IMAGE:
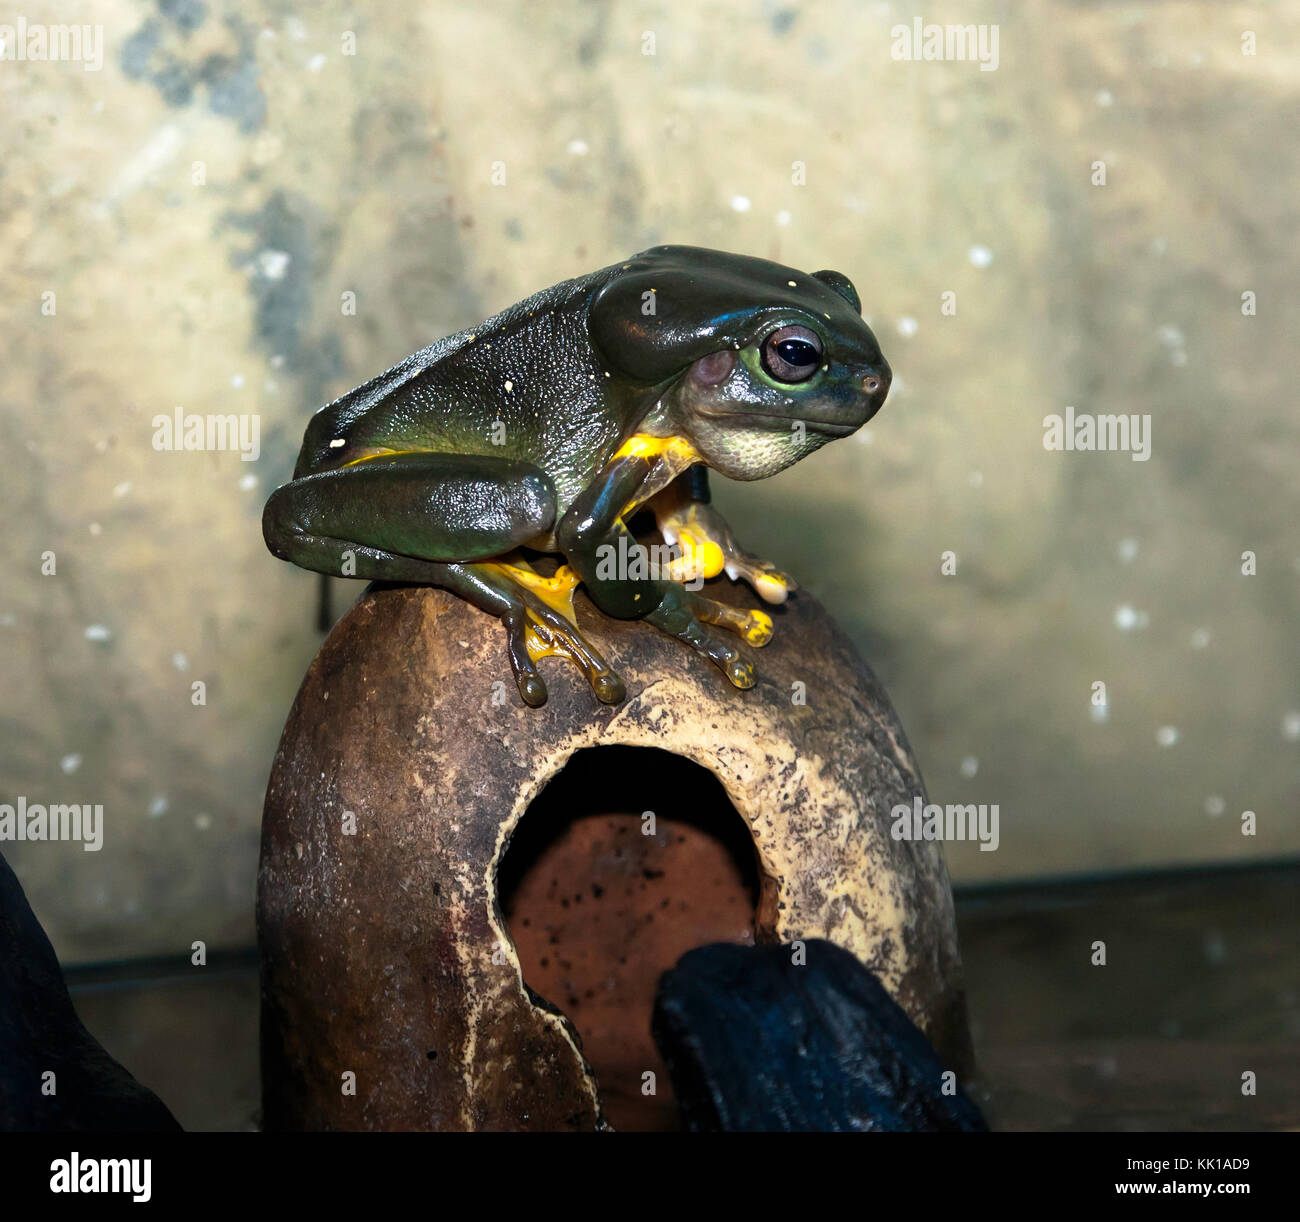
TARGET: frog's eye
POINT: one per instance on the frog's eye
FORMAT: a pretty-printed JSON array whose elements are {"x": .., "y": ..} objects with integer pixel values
[{"x": 792, "y": 354}]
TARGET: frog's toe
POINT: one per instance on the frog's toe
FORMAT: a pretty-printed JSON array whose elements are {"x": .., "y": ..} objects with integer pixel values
[
  {"x": 532, "y": 687},
  {"x": 753, "y": 627},
  {"x": 608, "y": 687},
  {"x": 681, "y": 617},
  {"x": 770, "y": 584},
  {"x": 741, "y": 673}
]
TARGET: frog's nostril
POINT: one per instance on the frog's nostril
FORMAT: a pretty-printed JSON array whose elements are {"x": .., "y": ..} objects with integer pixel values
[{"x": 871, "y": 384}]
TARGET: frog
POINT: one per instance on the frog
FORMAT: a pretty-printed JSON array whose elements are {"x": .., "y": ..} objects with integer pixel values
[{"x": 538, "y": 435}]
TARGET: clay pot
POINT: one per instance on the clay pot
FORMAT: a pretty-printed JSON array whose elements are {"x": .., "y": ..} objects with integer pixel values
[{"x": 457, "y": 990}]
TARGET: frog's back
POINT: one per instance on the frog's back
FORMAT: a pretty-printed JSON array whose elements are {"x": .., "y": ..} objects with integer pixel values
[{"x": 526, "y": 384}]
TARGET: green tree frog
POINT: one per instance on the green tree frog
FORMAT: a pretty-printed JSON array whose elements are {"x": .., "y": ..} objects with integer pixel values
[{"x": 544, "y": 429}]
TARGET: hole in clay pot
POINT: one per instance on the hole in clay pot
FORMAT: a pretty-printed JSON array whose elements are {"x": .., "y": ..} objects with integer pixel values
[{"x": 598, "y": 910}]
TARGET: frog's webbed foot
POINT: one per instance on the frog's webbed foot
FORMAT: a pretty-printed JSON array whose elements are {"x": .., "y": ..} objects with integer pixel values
[
  {"x": 684, "y": 615},
  {"x": 541, "y": 623},
  {"x": 709, "y": 547}
]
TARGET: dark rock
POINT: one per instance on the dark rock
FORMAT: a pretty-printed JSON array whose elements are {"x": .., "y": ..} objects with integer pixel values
[
  {"x": 758, "y": 1042},
  {"x": 41, "y": 1033}
]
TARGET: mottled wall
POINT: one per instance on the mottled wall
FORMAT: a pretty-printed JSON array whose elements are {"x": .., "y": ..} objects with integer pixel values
[{"x": 199, "y": 204}]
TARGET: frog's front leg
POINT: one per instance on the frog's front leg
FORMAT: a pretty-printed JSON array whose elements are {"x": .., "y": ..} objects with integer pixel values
[
  {"x": 709, "y": 547},
  {"x": 594, "y": 538}
]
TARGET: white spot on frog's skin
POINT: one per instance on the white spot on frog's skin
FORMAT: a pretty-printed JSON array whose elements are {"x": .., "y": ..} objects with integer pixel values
[
  {"x": 792, "y": 284},
  {"x": 509, "y": 386},
  {"x": 741, "y": 203},
  {"x": 907, "y": 326},
  {"x": 980, "y": 256},
  {"x": 97, "y": 632},
  {"x": 970, "y": 766},
  {"x": 1215, "y": 806},
  {"x": 1167, "y": 736},
  {"x": 70, "y": 763},
  {"x": 338, "y": 442}
]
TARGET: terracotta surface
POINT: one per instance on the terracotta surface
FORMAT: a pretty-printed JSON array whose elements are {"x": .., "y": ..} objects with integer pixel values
[
  {"x": 600, "y": 905},
  {"x": 385, "y": 952}
]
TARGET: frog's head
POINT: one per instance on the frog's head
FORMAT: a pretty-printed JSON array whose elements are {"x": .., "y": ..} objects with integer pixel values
[{"x": 757, "y": 364}]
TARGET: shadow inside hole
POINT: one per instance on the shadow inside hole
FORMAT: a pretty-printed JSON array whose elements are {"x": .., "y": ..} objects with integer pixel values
[{"x": 601, "y": 900}]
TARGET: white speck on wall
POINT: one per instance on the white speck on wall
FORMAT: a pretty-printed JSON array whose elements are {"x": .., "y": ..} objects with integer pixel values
[
  {"x": 158, "y": 807},
  {"x": 1105, "y": 97},
  {"x": 741, "y": 203},
  {"x": 272, "y": 264},
  {"x": 180, "y": 661},
  {"x": 865, "y": 437},
  {"x": 1128, "y": 550},
  {"x": 95, "y": 529},
  {"x": 1200, "y": 638},
  {"x": 237, "y": 381},
  {"x": 1170, "y": 335},
  {"x": 578, "y": 148},
  {"x": 783, "y": 218},
  {"x": 98, "y": 632},
  {"x": 70, "y": 763},
  {"x": 203, "y": 821},
  {"x": 980, "y": 256},
  {"x": 247, "y": 483},
  {"x": 1216, "y": 949},
  {"x": 1128, "y": 618},
  {"x": 1100, "y": 713},
  {"x": 120, "y": 490},
  {"x": 976, "y": 479},
  {"x": 907, "y": 326},
  {"x": 316, "y": 63},
  {"x": 1291, "y": 727},
  {"x": 1178, "y": 357},
  {"x": 1167, "y": 736},
  {"x": 970, "y": 766},
  {"x": 1215, "y": 805}
]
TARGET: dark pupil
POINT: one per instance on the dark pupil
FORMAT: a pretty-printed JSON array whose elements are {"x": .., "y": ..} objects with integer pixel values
[{"x": 796, "y": 352}]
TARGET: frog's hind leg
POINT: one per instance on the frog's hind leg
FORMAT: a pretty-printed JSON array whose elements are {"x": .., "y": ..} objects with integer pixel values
[{"x": 440, "y": 519}]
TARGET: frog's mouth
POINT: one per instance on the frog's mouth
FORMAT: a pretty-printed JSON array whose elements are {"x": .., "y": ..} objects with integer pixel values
[{"x": 832, "y": 428}]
